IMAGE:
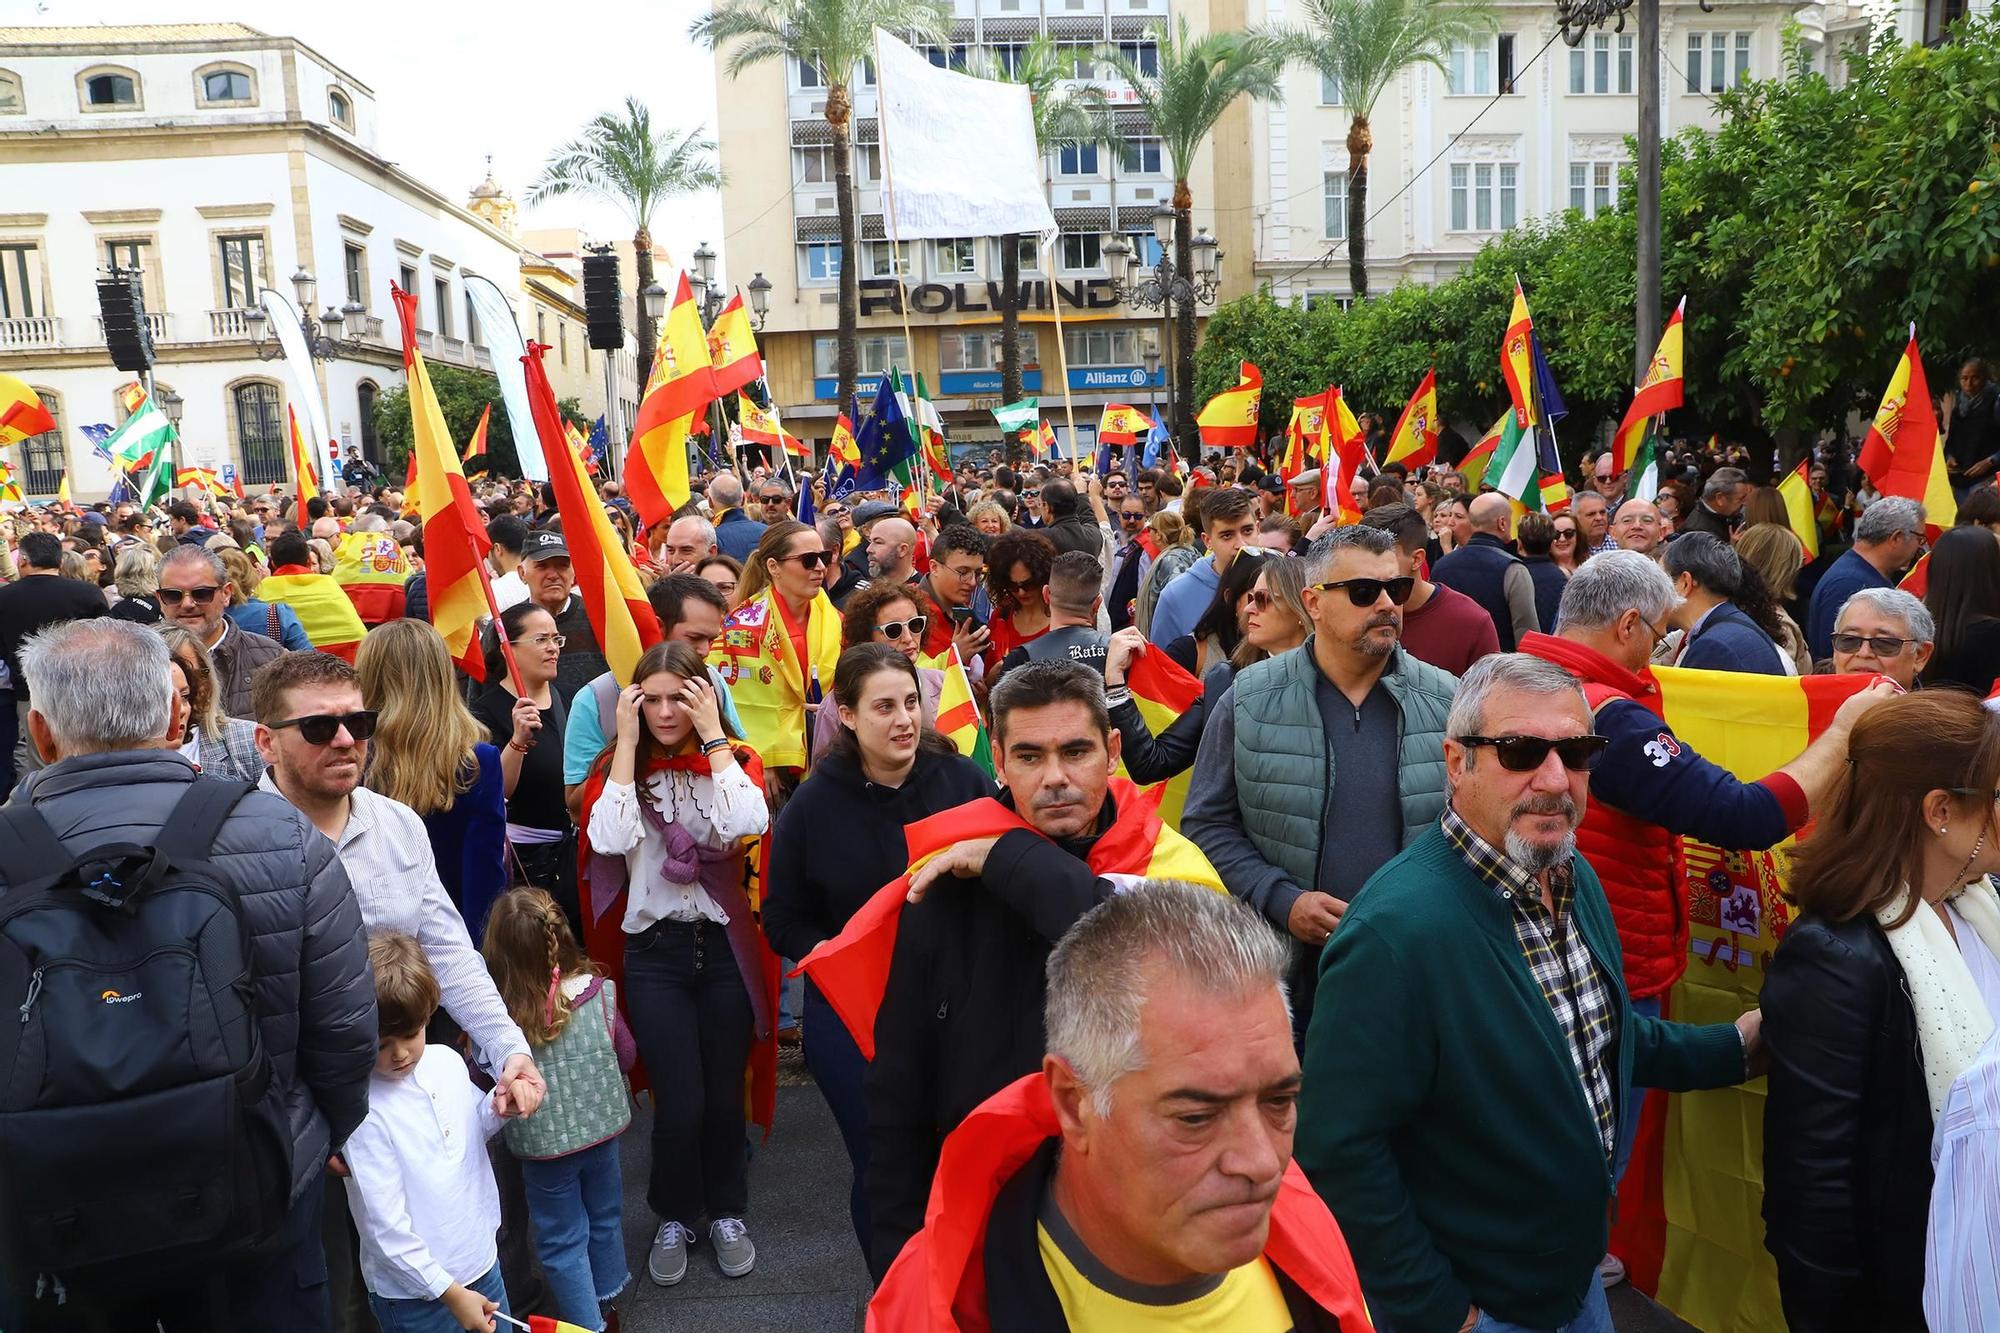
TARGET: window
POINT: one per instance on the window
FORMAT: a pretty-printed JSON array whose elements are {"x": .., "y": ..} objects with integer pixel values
[
  {"x": 946, "y": 57},
  {"x": 1604, "y": 66},
  {"x": 472, "y": 321},
  {"x": 1144, "y": 57},
  {"x": 1007, "y": 56},
  {"x": 20, "y": 281},
  {"x": 813, "y": 166},
  {"x": 1329, "y": 90},
  {"x": 11, "y": 101},
  {"x": 364, "y": 405},
  {"x": 441, "y": 295},
  {"x": 876, "y": 355},
  {"x": 562, "y": 339},
  {"x": 111, "y": 90},
  {"x": 44, "y": 453},
  {"x": 876, "y": 261},
  {"x": 1076, "y": 60},
  {"x": 1082, "y": 252},
  {"x": 242, "y": 270},
  {"x": 868, "y": 162},
  {"x": 1146, "y": 249},
  {"x": 868, "y": 71},
  {"x": 542, "y": 327},
  {"x": 1723, "y": 56},
  {"x": 225, "y": 85},
  {"x": 1076, "y": 159},
  {"x": 136, "y": 253},
  {"x": 822, "y": 261},
  {"x": 338, "y": 109},
  {"x": 351, "y": 267},
  {"x": 1103, "y": 347},
  {"x": 966, "y": 351},
  {"x": 1482, "y": 192},
  {"x": 1593, "y": 187},
  {"x": 1481, "y": 68},
  {"x": 807, "y": 74},
  {"x": 1336, "y": 205},
  {"x": 1509, "y": 195},
  {"x": 1027, "y": 254},
  {"x": 260, "y": 433},
  {"x": 1142, "y": 157},
  {"x": 956, "y": 257}
]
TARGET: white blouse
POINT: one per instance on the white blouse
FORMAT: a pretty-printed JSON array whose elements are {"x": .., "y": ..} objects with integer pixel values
[{"x": 715, "y": 811}]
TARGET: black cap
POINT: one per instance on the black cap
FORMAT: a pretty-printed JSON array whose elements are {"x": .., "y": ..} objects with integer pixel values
[
  {"x": 1271, "y": 483},
  {"x": 542, "y": 544}
]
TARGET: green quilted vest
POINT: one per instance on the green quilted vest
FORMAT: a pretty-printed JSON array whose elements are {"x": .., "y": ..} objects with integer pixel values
[
  {"x": 1284, "y": 771},
  {"x": 587, "y": 1102}
]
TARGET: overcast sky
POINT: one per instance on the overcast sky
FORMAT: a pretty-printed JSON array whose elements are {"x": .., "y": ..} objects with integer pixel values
[{"x": 454, "y": 82}]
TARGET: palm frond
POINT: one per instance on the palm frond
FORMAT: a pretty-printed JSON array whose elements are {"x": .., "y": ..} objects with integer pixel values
[
  {"x": 1198, "y": 79},
  {"x": 1364, "y": 44},
  {"x": 621, "y": 158},
  {"x": 835, "y": 35}
]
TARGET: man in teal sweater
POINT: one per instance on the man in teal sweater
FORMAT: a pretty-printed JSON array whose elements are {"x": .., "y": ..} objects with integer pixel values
[{"x": 1472, "y": 1042}]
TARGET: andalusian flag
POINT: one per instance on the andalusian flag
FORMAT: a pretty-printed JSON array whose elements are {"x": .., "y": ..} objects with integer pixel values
[
  {"x": 1901, "y": 454},
  {"x": 1517, "y": 361},
  {"x": 681, "y": 385},
  {"x": 1017, "y": 417},
  {"x": 1689, "y": 1224},
  {"x": 1342, "y": 443},
  {"x": 455, "y": 542},
  {"x": 1414, "y": 441},
  {"x": 1663, "y": 390},
  {"x": 21, "y": 411},
  {"x": 304, "y": 480},
  {"x": 475, "y": 448},
  {"x": 852, "y": 968},
  {"x": 1229, "y": 420},
  {"x": 159, "y": 475},
  {"x": 1800, "y": 511},
  {"x": 1163, "y": 691},
  {"x": 145, "y": 436},
  {"x": 1478, "y": 460},
  {"x": 958, "y": 716},
  {"x": 732, "y": 349},
  {"x": 930, "y": 433},
  {"x": 1120, "y": 424},
  {"x": 1511, "y": 470},
  {"x": 612, "y": 596}
]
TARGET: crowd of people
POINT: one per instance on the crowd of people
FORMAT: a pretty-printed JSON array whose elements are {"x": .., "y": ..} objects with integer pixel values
[{"x": 1356, "y": 1038}]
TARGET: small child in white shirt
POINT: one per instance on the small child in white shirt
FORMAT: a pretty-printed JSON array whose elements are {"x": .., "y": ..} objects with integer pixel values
[{"x": 420, "y": 1185}]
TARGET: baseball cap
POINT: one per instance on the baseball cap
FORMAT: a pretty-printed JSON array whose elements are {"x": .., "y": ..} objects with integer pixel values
[
  {"x": 94, "y": 518},
  {"x": 543, "y": 544},
  {"x": 1271, "y": 483}
]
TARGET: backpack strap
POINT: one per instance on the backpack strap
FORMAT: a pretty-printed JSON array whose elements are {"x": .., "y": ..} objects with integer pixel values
[
  {"x": 27, "y": 840},
  {"x": 189, "y": 833}
]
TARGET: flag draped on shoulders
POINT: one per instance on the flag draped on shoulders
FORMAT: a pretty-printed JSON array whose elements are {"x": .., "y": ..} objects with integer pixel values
[
  {"x": 324, "y": 611},
  {"x": 1229, "y": 420},
  {"x": 852, "y": 968},
  {"x": 771, "y": 687},
  {"x": 682, "y": 383},
  {"x": 1901, "y": 455}
]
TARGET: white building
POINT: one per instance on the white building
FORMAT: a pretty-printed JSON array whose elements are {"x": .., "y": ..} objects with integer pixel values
[{"x": 218, "y": 160}]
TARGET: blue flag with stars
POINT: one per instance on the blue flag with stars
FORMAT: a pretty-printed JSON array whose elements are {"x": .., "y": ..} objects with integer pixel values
[{"x": 884, "y": 440}]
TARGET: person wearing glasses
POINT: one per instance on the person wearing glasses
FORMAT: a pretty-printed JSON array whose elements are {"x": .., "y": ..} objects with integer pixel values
[
  {"x": 1320, "y": 764},
  {"x": 1884, "y": 632},
  {"x": 1888, "y": 538},
  {"x": 774, "y": 498},
  {"x": 777, "y": 650},
  {"x": 1474, "y": 1192},
  {"x": 527, "y": 722},
  {"x": 1072, "y": 595},
  {"x": 194, "y": 591},
  {"x": 1017, "y": 570},
  {"x": 888, "y": 614}
]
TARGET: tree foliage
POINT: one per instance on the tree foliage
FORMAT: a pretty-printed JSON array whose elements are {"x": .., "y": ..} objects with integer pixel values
[{"x": 462, "y": 394}]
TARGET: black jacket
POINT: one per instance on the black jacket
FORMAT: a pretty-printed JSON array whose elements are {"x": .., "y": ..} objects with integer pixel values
[
  {"x": 1847, "y": 1131},
  {"x": 961, "y": 1017},
  {"x": 840, "y": 838}
]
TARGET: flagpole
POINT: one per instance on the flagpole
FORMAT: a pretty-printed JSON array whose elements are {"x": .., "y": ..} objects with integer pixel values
[
  {"x": 896, "y": 266},
  {"x": 1062, "y": 352}
]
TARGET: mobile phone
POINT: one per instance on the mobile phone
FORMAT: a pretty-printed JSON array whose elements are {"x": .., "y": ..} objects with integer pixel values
[{"x": 960, "y": 614}]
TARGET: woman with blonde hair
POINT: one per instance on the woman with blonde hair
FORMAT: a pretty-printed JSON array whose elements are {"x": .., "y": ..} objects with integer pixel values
[
  {"x": 1774, "y": 552},
  {"x": 136, "y": 579},
  {"x": 1177, "y": 551},
  {"x": 990, "y": 517},
  {"x": 429, "y": 753},
  {"x": 218, "y": 746}
]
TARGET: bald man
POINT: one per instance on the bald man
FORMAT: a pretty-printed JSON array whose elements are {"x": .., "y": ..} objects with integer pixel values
[
  {"x": 1487, "y": 570},
  {"x": 1637, "y": 527},
  {"x": 327, "y": 530},
  {"x": 892, "y": 545}
]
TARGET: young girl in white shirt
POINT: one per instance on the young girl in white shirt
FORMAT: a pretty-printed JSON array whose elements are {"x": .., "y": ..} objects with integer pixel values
[{"x": 673, "y": 800}]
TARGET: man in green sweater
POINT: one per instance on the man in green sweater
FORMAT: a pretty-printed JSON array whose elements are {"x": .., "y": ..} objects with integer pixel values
[{"x": 1472, "y": 1041}]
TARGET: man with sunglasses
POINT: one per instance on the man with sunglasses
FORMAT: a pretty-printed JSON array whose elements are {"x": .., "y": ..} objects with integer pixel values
[
  {"x": 194, "y": 594},
  {"x": 1130, "y": 563},
  {"x": 1320, "y": 764},
  {"x": 1485, "y": 568},
  {"x": 1884, "y": 631},
  {"x": 1472, "y": 1183}
]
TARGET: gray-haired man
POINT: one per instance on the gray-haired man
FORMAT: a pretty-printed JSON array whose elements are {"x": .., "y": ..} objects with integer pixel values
[
  {"x": 194, "y": 594},
  {"x": 1888, "y": 538},
  {"x": 1722, "y": 499},
  {"x": 1884, "y": 631}
]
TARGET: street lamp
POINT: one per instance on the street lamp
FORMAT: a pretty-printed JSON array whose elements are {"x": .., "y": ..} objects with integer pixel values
[
  {"x": 323, "y": 334},
  {"x": 1164, "y": 287},
  {"x": 655, "y": 297},
  {"x": 172, "y": 404},
  {"x": 704, "y": 278},
  {"x": 760, "y": 300},
  {"x": 305, "y": 285}
]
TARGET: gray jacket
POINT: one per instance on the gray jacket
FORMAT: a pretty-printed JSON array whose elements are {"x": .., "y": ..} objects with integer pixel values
[{"x": 315, "y": 994}]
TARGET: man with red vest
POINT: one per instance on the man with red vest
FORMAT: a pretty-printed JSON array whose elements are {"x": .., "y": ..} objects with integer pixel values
[{"x": 1149, "y": 1162}]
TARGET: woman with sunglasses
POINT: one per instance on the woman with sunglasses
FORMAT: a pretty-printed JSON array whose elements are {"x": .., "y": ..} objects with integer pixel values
[
  {"x": 219, "y": 746},
  {"x": 428, "y": 754},
  {"x": 1565, "y": 545},
  {"x": 1217, "y": 634},
  {"x": 778, "y": 648},
  {"x": 1882, "y": 992},
  {"x": 528, "y": 724},
  {"x": 884, "y": 613},
  {"x": 1017, "y": 571}
]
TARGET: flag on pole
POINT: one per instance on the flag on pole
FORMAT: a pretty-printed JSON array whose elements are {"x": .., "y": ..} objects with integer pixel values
[
  {"x": 579, "y": 446},
  {"x": 304, "y": 480},
  {"x": 1414, "y": 441},
  {"x": 884, "y": 442},
  {"x": 204, "y": 477},
  {"x": 1553, "y": 490},
  {"x": 1345, "y": 445},
  {"x": 1017, "y": 417},
  {"x": 1801, "y": 514},
  {"x": 1159, "y": 450},
  {"x": 475, "y": 448},
  {"x": 145, "y": 434},
  {"x": 1901, "y": 455},
  {"x": 1478, "y": 460},
  {"x": 62, "y": 492},
  {"x": 958, "y": 716},
  {"x": 598, "y": 445},
  {"x": 10, "y": 487},
  {"x": 412, "y": 487},
  {"x": 1302, "y": 437},
  {"x": 158, "y": 478},
  {"x": 1662, "y": 391},
  {"x": 732, "y": 348},
  {"x": 681, "y": 385},
  {"x": 843, "y": 451},
  {"x": 930, "y": 434},
  {"x": 455, "y": 541},
  {"x": 21, "y": 411},
  {"x": 1045, "y": 440},
  {"x": 1516, "y": 361},
  {"x": 1120, "y": 424},
  {"x": 1229, "y": 420},
  {"x": 1510, "y": 468}
]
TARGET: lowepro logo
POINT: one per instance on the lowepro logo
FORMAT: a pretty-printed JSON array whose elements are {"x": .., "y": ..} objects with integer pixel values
[{"x": 113, "y": 997}]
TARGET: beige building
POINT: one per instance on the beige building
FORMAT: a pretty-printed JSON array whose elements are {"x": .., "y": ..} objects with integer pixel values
[{"x": 779, "y": 213}]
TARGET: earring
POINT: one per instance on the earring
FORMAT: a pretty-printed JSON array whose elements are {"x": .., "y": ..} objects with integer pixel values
[{"x": 1942, "y": 830}]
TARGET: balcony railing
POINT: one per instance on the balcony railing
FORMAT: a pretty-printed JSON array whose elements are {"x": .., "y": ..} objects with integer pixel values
[
  {"x": 481, "y": 357},
  {"x": 156, "y": 321},
  {"x": 33, "y": 331},
  {"x": 229, "y": 324},
  {"x": 423, "y": 340},
  {"x": 450, "y": 348}
]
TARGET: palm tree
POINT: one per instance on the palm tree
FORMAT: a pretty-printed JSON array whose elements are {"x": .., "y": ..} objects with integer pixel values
[
  {"x": 1199, "y": 78},
  {"x": 835, "y": 36},
  {"x": 1361, "y": 46},
  {"x": 1065, "y": 113},
  {"x": 625, "y": 161}
]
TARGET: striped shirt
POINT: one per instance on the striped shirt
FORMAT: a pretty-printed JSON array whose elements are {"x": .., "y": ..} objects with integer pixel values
[
  {"x": 1583, "y": 1003},
  {"x": 1962, "y": 1249}
]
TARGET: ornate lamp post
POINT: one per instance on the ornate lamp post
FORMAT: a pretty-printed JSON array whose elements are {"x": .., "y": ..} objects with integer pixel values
[
  {"x": 704, "y": 278},
  {"x": 760, "y": 300},
  {"x": 323, "y": 333},
  {"x": 1175, "y": 291}
]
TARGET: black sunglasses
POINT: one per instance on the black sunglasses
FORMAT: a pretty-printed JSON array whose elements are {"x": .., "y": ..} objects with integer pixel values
[
  {"x": 1883, "y": 644},
  {"x": 895, "y": 629},
  {"x": 321, "y": 728},
  {"x": 811, "y": 559},
  {"x": 1525, "y": 754},
  {"x": 201, "y": 596},
  {"x": 1365, "y": 592}
]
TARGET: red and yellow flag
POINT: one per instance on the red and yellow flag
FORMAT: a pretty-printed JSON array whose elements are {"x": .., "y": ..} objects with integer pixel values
[
  {"x": 204, "y": 477},
  {"x": 580, "y": 446},
  {"x": 305, "y": 479},
  {"x": 1120, "y": 424},
  {"x": 1473, "y": 466},
  {"x": 1163, "y": 691},
  {"x": 1045, "y": 440},
  {"x": 1901, "y": 455},
  {"x": 1345, "y": 443},
  {"x": 21, "y": 411},
  {"x": 475, "y": 448},
  {"x": 1517, "y": 362},
  {"x": 958, "y": 714},
  {"x": 1414, "y": 441},
  {"x": 10, "y": 486},
  {"x": 1801, "y": 513},
  {"x": 681, "y": 385},
  {"x": 1663, "y": 391},
  {"x": 844, "y": 451},
  {"x": 1302, "y": 438},
  {"x": 612, "y": 596},
  {"x": 1229, "y": 420},
  {"x": 732, "y": 348},
  {"x": 455, "y": 541}
]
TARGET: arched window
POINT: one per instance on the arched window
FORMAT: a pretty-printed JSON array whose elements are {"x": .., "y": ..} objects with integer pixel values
[
  {"x": 11, "y": 101},
  {"x": 364, "y": 404},
  {"x": 108, "y": 89},
  {"x": 260, "y": 431},
  {"x": 44, "y": 453},
  {"x": 339, "y": 109},
  {"x": 226, "y": 84}
]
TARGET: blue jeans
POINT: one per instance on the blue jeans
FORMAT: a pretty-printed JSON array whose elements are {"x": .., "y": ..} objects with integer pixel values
[
  {"x": 576, "y": 1202},
  {"x": 430, "y": 1316},
  {"x": 837, "y": 1066},
  {"x": 1635, "y": 1101},
  {"x": 1594, "y": 1317}
]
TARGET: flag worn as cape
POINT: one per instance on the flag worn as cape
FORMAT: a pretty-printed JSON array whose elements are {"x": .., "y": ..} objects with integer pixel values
[
  {"x": 1229, "y": 420},
  {"x": 852, "y": 968},
  {"x": 771, "y": 687},
  {"x": 324, "y": 611}
]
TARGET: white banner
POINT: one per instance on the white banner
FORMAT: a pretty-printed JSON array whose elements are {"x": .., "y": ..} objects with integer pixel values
[
  {"x": 284, "y": 321},
  {"x": 503, "y": 340},
  {"x": 958, "y": 151}
]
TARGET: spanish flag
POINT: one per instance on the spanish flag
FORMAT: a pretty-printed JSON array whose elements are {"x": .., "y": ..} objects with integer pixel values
[
  {"x": 1800, "y": 511},
  {"x": 1517, "y": 360},
  {"x": 1689, "y": 1224},
  {"x": 1302, "y": 436},
  {"x": 1342, "y": 436},
  {"x": 732, "y": 348},
  {"x": 843, "y": 450},
  {"x": 475, "y": 448},
  {"x": 619, "y": 612},
  {"x": 21, "y": 411},
  {"x": 324, "y": 611},
  {"x": 455, "y": 541},
  {"x": 1414, "y": 441},
  {"x": 204, "y": 477},
  {"x": 10, "y": 487},
  {"x": 1473, "y": 466},
  {"x": 305, "y": 481},
  {"x": 1229, "y": 420},
  {"x": 852, "y": 969},
  {"x": 760, "y": 424},
  {"x": 62, "y": 492},
  {"x": 1162, "y": 690},
  {"x": 681, "y": 385},
  {"x": 1662, "y": 392},
  {"x": 1901, "y": 455},
  {"x": 1120, "y": 424},
  {"x": 958, "y": 715},
  {"x": 1045, "y": 440}
]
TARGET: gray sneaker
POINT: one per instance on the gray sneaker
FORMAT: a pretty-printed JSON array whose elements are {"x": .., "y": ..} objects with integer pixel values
[
  {"x": 668, "y": 1262},
  {"x": 734, "y": 1253}
]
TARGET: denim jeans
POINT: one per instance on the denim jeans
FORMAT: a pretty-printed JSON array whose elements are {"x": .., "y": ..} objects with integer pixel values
[
  {"x": 1594, "y": 1317},
  {"x": 1635, "y": 1102},
  {"x": 691, "y": 1016},
  {"x": 836, "y": 1065},
  {"x": 576, "y": 1202},
  {"x": 397, "y": 1316}
]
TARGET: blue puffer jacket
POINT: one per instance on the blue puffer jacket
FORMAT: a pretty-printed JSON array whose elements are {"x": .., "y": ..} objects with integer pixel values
[{"x": 315, "y": 994}]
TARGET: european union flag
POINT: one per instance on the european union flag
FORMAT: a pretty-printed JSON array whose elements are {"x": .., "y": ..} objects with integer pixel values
[
  {"x": 885, "y": 442},
  {"x": 1550, "y": 400},
  {"x": 1156, "y": 442},
  {"x": 97, "y": 435},
  {"x": 599, "y": 441}
]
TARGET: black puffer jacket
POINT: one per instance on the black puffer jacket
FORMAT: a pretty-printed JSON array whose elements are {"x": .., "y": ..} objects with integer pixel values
[
  {"x": 315, "y": 994},
  {"x": 1847, "y": 1131}
]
